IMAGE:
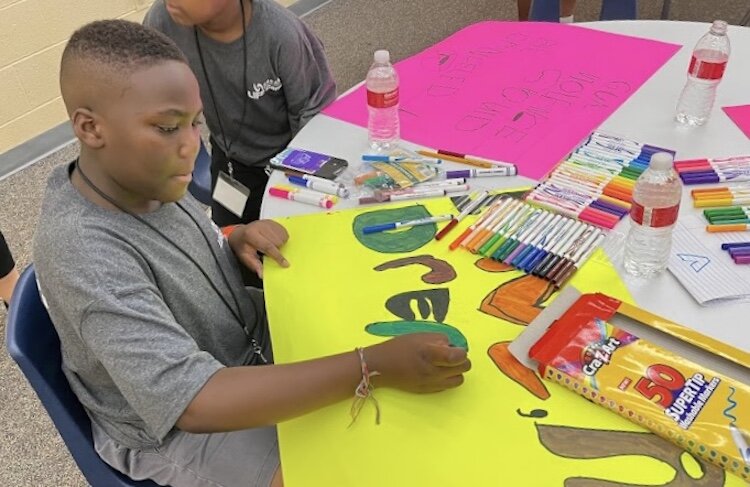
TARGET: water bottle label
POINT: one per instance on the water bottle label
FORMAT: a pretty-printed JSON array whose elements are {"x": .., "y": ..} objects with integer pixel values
[
  {"x": 654, "y": 217},
  {"x": 705, "y": 69},
  {"x": 382, "y": 100}
]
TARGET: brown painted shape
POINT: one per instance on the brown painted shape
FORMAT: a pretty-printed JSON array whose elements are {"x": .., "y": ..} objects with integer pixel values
[
  {"x": 440, "y": 271},
  {"x": 518, "y": 300},
  {"x": 580, "y": 443},
  {"x": 511, "y": 367}
]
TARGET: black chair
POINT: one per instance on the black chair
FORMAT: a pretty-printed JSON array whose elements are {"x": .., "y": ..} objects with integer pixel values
[
  {"x": 549, "y": 10},
  {"x": 200, "y": 185},
  {"x": 33, "y": 343}
]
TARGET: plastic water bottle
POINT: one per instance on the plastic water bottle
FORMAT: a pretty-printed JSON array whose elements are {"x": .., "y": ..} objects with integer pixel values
[
  {"x": 383, "y": 127},
  {"x": 707, "y": 66},
  {"x": 656, "y": 202}
]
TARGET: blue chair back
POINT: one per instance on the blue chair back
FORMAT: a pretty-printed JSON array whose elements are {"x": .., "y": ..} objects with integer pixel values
[
  {"x": 549, "y": 10},
  {"x": 33, "y": 343},
  {"x": 200, "y": 186}
]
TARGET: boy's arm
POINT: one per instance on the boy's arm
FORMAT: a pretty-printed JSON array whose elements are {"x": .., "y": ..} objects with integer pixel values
[
  {"x": 308, "y": 83},
  {"x": 246, "y": 397}
]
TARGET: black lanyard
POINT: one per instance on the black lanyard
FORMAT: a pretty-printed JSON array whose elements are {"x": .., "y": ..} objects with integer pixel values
[
  {"x": 227, "y": 143},
  {"x": 236, "y": 313}
]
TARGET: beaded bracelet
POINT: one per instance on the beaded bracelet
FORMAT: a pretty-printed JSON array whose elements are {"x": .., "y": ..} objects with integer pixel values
[{"x": 364, "y": 390}]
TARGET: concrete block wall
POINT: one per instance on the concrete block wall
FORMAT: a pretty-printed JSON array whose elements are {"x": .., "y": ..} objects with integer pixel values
[{"x": 32, "y": 36}]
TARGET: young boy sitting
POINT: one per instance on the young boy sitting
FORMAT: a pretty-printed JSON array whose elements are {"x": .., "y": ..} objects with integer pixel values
[
  {"x": 262, "y": 73},
  {"x": 161, "y": 342}
]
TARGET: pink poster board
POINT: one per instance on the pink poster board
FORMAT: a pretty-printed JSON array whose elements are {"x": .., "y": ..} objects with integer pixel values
[
  {"x": 520, "y": 92},
  {"x": 740, "y": 115}
]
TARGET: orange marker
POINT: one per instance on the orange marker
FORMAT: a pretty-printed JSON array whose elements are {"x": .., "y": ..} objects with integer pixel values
[{"x": 742, "y": 227}]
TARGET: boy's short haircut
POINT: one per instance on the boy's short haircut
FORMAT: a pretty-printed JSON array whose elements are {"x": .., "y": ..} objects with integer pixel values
[{"x": 119, "y": 45}]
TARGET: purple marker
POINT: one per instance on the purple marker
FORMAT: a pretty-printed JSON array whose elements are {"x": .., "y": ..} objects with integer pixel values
[
  {"x": 732, "y": 245},
  {"x": 479, "y": 173},
  {"x": 742, "y": 259}
]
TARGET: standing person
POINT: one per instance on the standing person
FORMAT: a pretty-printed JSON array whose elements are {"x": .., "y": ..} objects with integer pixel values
[
  {"x": 567, "y": 7},
  {"x": 8, "y": 272},
  {"x": 263, "y": 74},
  {"x": 168, "y": 352}
]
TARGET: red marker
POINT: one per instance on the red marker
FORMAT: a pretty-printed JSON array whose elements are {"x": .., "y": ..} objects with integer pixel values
[
  {"x": 466, "y": 211},
  {"x": 309, "y": 197}
]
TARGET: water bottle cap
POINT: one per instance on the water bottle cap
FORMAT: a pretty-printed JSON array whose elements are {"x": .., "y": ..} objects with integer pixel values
[
  {"x": 382, "y": 56},
  {"x": 661, "y": 161},
  {"x": 719, "y": 27}
]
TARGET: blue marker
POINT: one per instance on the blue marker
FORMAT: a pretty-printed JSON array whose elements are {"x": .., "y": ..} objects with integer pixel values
[
  {"x": 384, "y": 158},
  {"x": 319, "y": 184},
  {"x": 408, "y": 223}
]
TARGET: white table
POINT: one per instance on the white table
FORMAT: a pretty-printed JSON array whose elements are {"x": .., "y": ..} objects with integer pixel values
[{"x": 647, "y": 117}]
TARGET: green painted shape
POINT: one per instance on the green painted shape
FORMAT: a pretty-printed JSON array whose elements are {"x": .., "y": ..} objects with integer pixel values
[
  {"x": 398, "y": 241},
  {"x": 397, "y": 328}
]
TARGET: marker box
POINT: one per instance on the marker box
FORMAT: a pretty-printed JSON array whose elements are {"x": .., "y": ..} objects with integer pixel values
[{"x": 683, "y": 386}]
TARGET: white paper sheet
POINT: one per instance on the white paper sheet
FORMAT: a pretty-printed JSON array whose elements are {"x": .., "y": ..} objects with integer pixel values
[{"x": 704, "y": 270}]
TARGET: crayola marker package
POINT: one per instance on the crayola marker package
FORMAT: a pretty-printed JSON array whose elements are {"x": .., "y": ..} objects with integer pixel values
[{"x": 683, "y": 386}]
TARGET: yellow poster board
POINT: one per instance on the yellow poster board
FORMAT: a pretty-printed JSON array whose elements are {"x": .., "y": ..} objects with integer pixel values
[{"x": 503, "y": 426}]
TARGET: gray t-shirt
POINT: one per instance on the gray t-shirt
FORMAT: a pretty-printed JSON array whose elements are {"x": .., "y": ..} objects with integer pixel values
[
  {"x": 141, "y": 328},
  {"x": 288, "y": 79}
]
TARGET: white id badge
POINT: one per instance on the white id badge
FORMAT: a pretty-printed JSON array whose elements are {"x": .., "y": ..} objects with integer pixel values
[{"x": 231, "y": 194}]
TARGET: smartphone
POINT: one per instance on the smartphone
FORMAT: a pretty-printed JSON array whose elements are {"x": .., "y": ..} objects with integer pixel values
[{"x": 309, "y": 162}]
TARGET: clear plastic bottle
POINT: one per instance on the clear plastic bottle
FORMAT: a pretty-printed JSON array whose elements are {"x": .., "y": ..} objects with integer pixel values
[
  {"x": 656, "y": 202},
  {"x": 383, "y": 127},
  {"x": 707, "y": 65}
]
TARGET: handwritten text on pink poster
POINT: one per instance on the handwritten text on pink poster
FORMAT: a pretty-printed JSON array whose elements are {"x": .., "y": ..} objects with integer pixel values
[{"x": 515, "y": 91}]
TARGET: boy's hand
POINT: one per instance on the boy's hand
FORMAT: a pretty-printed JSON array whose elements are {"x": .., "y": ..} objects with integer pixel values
[
  {"x": 418, "y": 362},
  {"x": 265, "y": 236}
]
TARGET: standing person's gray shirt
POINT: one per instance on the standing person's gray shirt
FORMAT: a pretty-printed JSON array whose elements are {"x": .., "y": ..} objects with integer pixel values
[
  {"x": 141, "y": 328},
  {"x": 288, "y": 79}
]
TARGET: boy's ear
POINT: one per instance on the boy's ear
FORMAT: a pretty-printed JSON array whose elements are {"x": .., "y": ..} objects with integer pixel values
[{"x": 86, "y": 126}]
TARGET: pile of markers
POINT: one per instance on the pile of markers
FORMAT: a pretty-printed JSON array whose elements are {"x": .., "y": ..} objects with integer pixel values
[
  {"x": 311, "y": 190},
  {"x": 739, "y": 251},
  {"x": 532, "y": 239},
  {"x": 595, "y": 182},
  {"x": 728, "y": 219},
  {"x": 702, "y": 171},
  {"x": 721, "y": 196}
]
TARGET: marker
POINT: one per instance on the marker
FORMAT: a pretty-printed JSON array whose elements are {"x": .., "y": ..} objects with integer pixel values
[
  {"x": 464, "y": 213},
  {"x": 564, "y": 275},
  {"x": 442, "y": 182},
  {"x": 402, "y": 197},
  {"x": 574, "y": 252},
  {"x": 480, "y": 173},
  {"x": 475, "y": 159},
  {"x": 302, "y": 196},
  {"x": 322, "y": 185},
  {"x": 550, "y": 243},
  {"x": 384, "y": 158},
  {"x": 742, "y": 227},
  {"x": 560, "y": 247},
  {"x": 382, "y": 227},
  {"x": 734, "y": 245},
  {"x": 428, "y": 189},
  {"x": 480, "y": 223},
  {"x": 740, "y": 443}
]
